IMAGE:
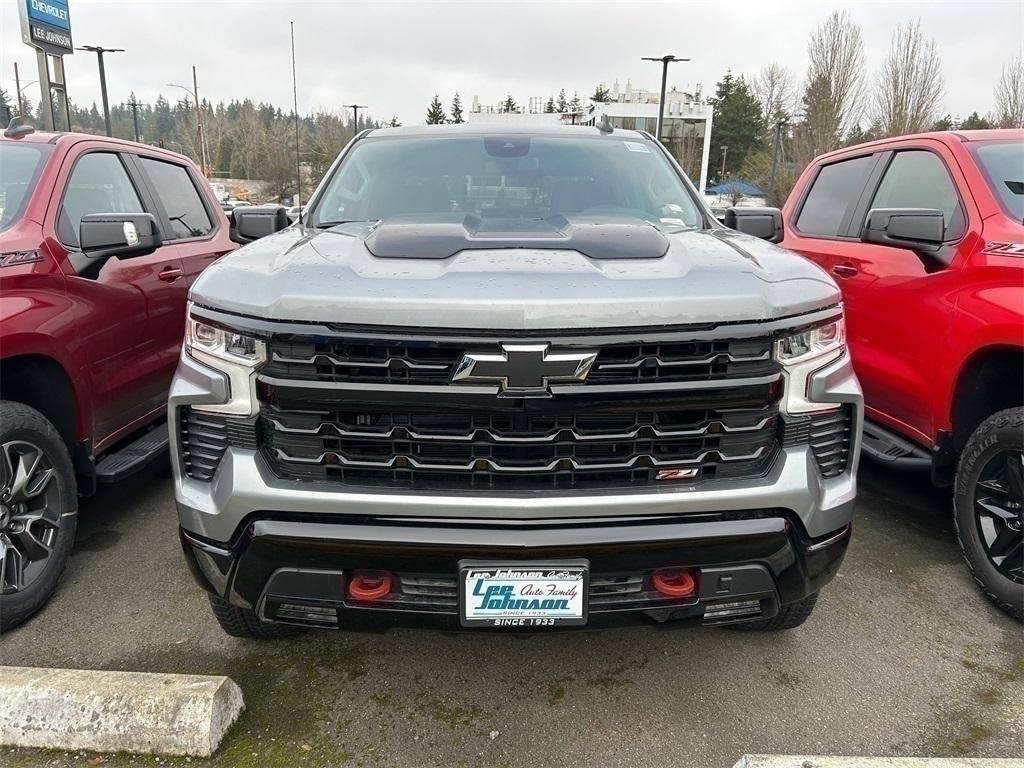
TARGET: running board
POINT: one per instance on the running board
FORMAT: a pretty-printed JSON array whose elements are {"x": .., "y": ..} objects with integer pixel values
[
  {"x": 890, "y": 449},
  {"x": 116, "y": 466}
]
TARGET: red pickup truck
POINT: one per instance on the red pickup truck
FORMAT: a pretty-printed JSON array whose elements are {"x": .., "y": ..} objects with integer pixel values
[
  {"x": 925, "y": 236},
  {"x": 99, "y": 242}
]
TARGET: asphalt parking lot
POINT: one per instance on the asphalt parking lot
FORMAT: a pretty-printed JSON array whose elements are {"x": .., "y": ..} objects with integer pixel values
[{"x": 901, "y": 657}]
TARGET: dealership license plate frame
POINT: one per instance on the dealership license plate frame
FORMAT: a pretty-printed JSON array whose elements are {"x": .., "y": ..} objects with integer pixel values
[{"x": 578, "y": 566}]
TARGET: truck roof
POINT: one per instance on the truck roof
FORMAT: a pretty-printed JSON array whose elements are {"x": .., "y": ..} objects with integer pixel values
[
  {"x": 947, "y": 137},
  {"x": 67, "y": 139},
  {"x": 491, "y": 129}
]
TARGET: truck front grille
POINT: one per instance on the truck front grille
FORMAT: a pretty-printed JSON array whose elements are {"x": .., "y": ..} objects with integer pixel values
[
  {"x": 402, "y": 362},
  {"x": 385, "y": 414}
]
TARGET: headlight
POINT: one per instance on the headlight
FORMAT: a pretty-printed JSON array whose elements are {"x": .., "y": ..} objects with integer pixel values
[
  {"x": 804, "y": 352},
  {"x": 230, "y": 352}
]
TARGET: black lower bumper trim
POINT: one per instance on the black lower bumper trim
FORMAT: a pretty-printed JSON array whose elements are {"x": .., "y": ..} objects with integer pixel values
[{"x": 294, "y": 569}]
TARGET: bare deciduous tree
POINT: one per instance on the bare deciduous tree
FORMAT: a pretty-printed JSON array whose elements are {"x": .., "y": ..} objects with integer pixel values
[
  {"x": 833, "y": 93},
  {"x": 1009, "y": 95},
  {"x": 775, "y": 91},
  {"x": 910, "y": 84}
]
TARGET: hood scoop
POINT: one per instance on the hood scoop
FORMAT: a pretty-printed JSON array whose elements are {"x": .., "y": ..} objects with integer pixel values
[{"x": 440, "y": 236}]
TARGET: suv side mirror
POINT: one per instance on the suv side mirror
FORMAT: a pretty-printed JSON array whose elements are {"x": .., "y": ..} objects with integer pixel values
[
  {"x": 251, "y": 222},
  {"x": 765, "y": 223},
  {"x": 124, "y": 235},
  {"x": 920, "y": 229}
]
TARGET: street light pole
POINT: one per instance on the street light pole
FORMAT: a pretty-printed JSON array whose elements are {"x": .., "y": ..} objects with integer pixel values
[
  {"x": 725, "y": 152},
  {"x": 775, "y": 158},
  {"x": 355, "y": 115},
  {"x": 200, "y": 136},
  {"x": 99, "y": 50},
  {"x": 665, "y": 61}
]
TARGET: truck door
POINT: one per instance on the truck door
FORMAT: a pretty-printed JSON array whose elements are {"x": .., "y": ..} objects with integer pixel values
[{"x": 129, "y": 300}]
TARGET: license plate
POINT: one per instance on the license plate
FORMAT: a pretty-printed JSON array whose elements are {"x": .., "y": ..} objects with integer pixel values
[{"x": 533, "y": 594}]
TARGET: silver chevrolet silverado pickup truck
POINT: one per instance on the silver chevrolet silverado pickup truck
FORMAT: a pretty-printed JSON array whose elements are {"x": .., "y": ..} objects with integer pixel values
[{"x": 512, "y": 379}]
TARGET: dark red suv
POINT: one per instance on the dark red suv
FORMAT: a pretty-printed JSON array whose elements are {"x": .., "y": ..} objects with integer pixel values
[
  {"x": 100, "y": 240},
  {"x": 925, "y": 236}
]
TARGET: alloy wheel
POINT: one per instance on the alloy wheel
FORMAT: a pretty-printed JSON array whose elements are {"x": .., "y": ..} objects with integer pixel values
[
  {"x": 29, "y": 514},
  {"x": 999, "y": 511}
]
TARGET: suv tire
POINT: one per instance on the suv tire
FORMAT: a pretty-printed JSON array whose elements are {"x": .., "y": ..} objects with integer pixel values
[
  {"x": 789, "y": 617},
  {"x": 242, "y": 622},
  {"x": 38, "y": 511},
  {"x": 989, "y": 490}
]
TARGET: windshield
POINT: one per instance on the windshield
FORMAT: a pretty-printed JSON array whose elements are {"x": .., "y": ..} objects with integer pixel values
[
  {"x": 19, "y": 168},
  {"x": 1003, "y": 164},
  {"x": 507, "y": 177}
]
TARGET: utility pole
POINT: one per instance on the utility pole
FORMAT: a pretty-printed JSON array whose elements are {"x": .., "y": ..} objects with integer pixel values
[
  {"x": 99, "y": 50},
  {"x": 135, "y": 116},
  {"x": 355, "y": 115},
  {"x": 17, "y": 87},
  {"x": 200, "y": 136},
  {"x": 665, "y": 61},
  {"x": 725, "y": 152},
  {"x": 295, "y": 109}
]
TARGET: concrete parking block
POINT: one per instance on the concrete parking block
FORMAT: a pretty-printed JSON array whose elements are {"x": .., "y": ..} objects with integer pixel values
[
  {"x": 116, "y": 711},
  {"x": 808, "y": 761}
]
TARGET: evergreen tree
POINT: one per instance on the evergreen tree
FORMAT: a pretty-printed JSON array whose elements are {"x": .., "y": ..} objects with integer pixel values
[
  {"x": 601, "y": 94},
  {"x": 975, "y": 122},
  {"x": 5, "y": 108},
  {"x": 393, "y": 122},
  {"x": 944, "y": 124},
  {"x": 435, "y": 114},
  {"x": 575, "y": 106},
  {"x": 550, "y": 106},
  {"x": 457, "y": 109},
  {"x": 737, "y": 123},
  {"x": 562, "y": 105},
  {"x": 509, "y": 104}
]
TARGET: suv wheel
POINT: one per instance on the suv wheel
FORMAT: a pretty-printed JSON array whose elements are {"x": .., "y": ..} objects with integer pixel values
[
  {"x": 242, "y": 622},
  {"x": 789, "y": 617},
  {"x": 38, "y": 511},
  {"x": 989, "y": 508}
]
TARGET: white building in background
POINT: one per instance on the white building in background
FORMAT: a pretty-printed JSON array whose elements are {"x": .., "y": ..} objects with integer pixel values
[{"x": 687, "y": 121}]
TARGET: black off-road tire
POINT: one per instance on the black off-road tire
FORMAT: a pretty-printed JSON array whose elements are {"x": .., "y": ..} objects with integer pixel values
[
  {"x": 1000, "y": 432},
  {"x": 789, "y": 617},
  {"x": 18, "y": 422},
  {"x": 242, "y": 622}
]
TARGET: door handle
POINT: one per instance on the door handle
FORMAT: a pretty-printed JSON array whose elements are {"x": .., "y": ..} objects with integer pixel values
[
  {"x": 845, "y": 270},
  {"x": 170, "y": 274}
]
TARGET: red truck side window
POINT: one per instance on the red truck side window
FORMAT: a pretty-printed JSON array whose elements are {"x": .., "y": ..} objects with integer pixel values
[
  {"x": 180, "y": 199},
  {"x": 833, "y": 191},
  {"x": 98, "y": 184},
  {"x": 918, "y": 179}
]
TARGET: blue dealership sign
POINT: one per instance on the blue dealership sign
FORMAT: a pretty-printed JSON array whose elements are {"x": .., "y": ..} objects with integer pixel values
[{"x": 53, "y": 13}]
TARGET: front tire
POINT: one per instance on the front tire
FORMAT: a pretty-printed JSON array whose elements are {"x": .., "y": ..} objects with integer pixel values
[
  {"x": 789, "y": 617},
  {"x": 989, "y": 508},
  {"x": 242, "y": 622},
  {"x": 38, "y": 511}
]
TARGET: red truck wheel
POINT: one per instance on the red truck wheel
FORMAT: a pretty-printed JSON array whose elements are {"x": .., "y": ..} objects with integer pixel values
[
  {"x": 989, "y": 508},
  {"x": 38, "y": 511}
]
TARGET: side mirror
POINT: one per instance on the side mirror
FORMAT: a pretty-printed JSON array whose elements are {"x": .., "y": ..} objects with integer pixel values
[
  {"x": 124, "y": 235},
  {"x": 920, "y": 229},
  {"x": 765, "y": 223},
  {"x": 251, "y": 222}
]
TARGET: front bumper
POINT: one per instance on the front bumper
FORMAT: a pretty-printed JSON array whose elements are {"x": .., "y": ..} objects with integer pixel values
[
  {"x": 247, "y": 526},
  {"x": 295, "y": 570}
]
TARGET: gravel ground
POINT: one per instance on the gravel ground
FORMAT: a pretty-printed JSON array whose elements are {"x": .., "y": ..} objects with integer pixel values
[{"x": 902, "y": 656}]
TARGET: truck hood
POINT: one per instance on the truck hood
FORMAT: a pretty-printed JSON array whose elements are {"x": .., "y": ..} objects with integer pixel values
[{"x": 331, "y": 276}]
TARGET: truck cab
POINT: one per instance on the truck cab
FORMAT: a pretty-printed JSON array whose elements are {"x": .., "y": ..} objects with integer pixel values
[
  {"x": 925, "y": 236},
  {"x": 100, "y": 240}
]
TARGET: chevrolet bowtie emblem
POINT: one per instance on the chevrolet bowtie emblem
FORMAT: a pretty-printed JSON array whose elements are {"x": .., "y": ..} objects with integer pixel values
[{"x": 524, "y": 370}]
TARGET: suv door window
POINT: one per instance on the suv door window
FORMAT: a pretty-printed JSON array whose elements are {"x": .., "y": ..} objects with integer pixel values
[
  {"x": 180, "y": 198},
  {"x": 99, "y": 183},
  {"x": 918, "y": 178},
  {"x": 834, "y": 190}
]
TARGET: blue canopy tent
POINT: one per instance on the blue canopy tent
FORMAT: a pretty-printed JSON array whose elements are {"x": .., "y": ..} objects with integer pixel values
[{"x": 735, "y": 188}]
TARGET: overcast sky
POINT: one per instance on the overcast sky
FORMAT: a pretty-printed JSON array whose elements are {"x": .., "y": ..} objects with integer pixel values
[{"x": 393, "y": 56}]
